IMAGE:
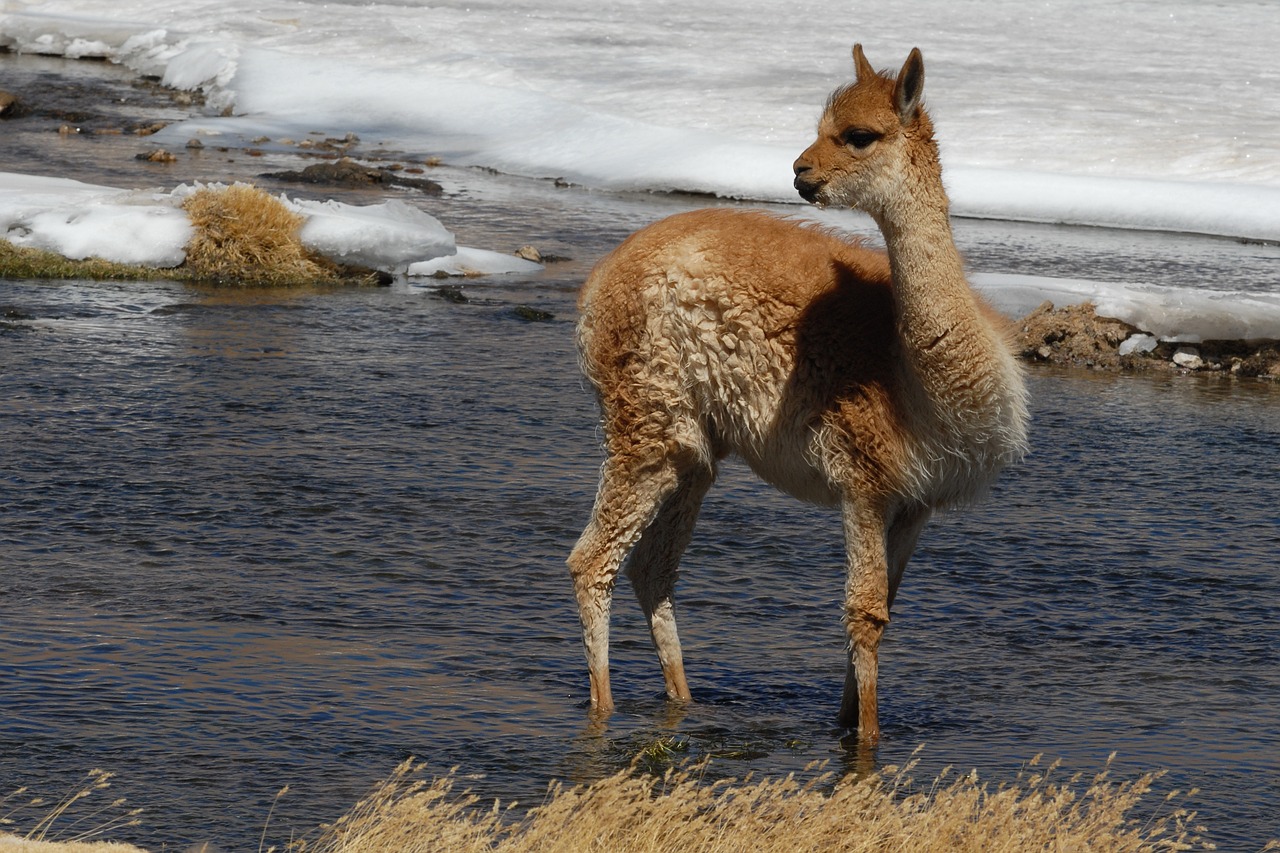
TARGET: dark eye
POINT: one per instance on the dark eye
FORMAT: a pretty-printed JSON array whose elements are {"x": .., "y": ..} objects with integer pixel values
[{"x": 859, "y": 138}]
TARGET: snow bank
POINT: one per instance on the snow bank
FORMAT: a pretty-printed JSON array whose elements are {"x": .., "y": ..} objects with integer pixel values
[
  {"x": 1230, "y": 210},
  {"x": 78, "y": 220},
  {"x": 267, "y": 67},
  {"x": 1169, "y": 314}
]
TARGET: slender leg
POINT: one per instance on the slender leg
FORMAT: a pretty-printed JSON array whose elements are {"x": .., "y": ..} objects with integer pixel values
[
  {"x": 904, "y": 533},
  {"x": 654, "y": 566},
  {"x": 631, "y": 490},
  {"x": 866, "y": 614}
]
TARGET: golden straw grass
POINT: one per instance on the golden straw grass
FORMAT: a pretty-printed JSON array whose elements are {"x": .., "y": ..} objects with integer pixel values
[
  {"x": 74, "y": 823},
  {"x": 244, "y": 236},
  {"x": 636, "y": 812}
]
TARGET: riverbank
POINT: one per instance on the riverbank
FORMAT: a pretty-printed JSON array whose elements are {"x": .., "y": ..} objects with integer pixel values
[
  {"x": 658, "y": 808},
  {"x": 98, "y": 131},
  {"x": 1076, "y": 336}
]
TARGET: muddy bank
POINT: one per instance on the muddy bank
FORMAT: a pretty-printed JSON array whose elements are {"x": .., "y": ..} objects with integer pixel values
[{"x": 1076, "y": 336}]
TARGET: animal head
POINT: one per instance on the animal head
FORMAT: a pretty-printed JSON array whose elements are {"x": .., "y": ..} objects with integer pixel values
[{"x": 872, "y": 135}]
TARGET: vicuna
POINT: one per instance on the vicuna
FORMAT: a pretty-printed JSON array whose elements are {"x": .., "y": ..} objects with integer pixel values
[{"x": 875, "y": 382}]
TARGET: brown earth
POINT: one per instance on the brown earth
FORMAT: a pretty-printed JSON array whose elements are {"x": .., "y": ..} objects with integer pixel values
[{"x": 1076, "y": 336}]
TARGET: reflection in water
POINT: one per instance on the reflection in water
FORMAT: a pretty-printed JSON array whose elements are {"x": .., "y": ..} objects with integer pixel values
[{"x": 252, "y": 540}]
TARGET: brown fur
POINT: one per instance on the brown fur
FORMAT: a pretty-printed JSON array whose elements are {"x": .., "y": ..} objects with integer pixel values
[{"x": 842, "y": 375}]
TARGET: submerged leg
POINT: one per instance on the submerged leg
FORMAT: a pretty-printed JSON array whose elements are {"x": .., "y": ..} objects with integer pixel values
[
  {"x": 866, "y": 613},
  {"x": 631, "y": 490},
  {"x": 654, "y": 567}
]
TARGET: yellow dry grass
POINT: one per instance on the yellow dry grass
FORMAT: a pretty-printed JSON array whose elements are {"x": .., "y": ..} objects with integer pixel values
[
  {"x": 635, "y": 812},
  {"x": 638, "y": 812},
  {"x": 70, "y": 820},
  {"x": 22, "y": 262},
  {"x": 14, "y": 844},
  {"x": 244, "y": 235}
]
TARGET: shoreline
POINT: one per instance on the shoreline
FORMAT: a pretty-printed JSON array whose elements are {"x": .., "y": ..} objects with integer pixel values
[
  {"x": 1077, "y": 336},
  {"x": 98, "y": 131}
]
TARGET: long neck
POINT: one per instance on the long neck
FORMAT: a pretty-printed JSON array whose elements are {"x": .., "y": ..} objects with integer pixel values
[
  {"x": 963, "y": 366},
  {"x": 928, "y": 275}
]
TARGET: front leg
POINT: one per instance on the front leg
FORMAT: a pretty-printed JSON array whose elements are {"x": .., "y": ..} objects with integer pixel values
[{"x": 866, "y": 613}]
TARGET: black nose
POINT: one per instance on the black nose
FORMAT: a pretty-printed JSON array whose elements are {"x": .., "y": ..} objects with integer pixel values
[
  {"x": 807, "y": 188},
  {"x": 804, "y": 183}
]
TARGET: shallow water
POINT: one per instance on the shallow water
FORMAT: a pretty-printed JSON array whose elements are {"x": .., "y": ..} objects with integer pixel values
[
  {"x": 269, "y": 538},
  {"x": 261, "y": 539}
]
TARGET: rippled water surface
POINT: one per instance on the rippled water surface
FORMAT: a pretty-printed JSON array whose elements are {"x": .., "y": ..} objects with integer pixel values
[
  {"x": 269, "y": 538},
  {"x": 266, "y": 539}
]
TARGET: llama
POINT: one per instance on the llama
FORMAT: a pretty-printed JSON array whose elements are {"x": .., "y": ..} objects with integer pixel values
[{"x": 876, "y": 382}]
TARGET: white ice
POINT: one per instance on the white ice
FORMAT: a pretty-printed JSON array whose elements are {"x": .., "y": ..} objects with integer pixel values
[
  {"x": 79, "y": 220},
  {"x": 1168, "y": 313},
  {"x": 391, "y": 235},
  {"x": 472, "y": 262},
  {"x": 1136, "y": 115},
  {"x": 1130, "y": 115}
]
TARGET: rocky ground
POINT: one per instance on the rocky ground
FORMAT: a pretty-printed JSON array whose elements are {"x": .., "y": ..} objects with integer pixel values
[{"x": 1076, "y": 336}]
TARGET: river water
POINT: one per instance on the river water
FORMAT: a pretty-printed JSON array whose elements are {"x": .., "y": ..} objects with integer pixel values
[{"x": 256, "y": 539}]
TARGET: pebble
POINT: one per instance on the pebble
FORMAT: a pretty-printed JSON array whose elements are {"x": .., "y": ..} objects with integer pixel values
[{"x": 1188, "y": 357}]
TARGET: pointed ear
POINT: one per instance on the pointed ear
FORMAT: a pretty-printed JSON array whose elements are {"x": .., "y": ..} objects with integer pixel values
[
  {"x": 862, "y": 69},
  {"x": 909, "y": 87}
]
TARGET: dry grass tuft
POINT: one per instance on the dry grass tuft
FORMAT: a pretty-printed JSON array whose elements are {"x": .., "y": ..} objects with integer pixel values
[
  {"x": 244, "y": 235},
  {"x": 635, "y": 812},
  {"x": 67, "y": 826}
]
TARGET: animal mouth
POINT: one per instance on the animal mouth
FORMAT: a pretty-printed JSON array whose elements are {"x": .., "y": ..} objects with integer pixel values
[{"x": 808, "y": 191}]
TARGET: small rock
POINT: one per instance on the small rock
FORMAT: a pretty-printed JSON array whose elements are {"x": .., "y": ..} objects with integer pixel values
[
  {"x": 194, "y": 143},
  {"x": 524, "y": 312},
  {"x": 451, "y": 293},
  {"x": 1188, "y": 357},
  {"x": 1045, "y": 353},
  {"x": 347, "y": 172},
  {"x": 9, "y": 104},
  {"x": 529, "y": 253},
  {"x": 157, "y": 156}
]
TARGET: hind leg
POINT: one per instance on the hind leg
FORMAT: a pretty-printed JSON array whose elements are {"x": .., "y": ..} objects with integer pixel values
[
  {"x": 904, "y": 533},
  {"x": 632, "y": 488},
  {"x": 654, "y": 566}
]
